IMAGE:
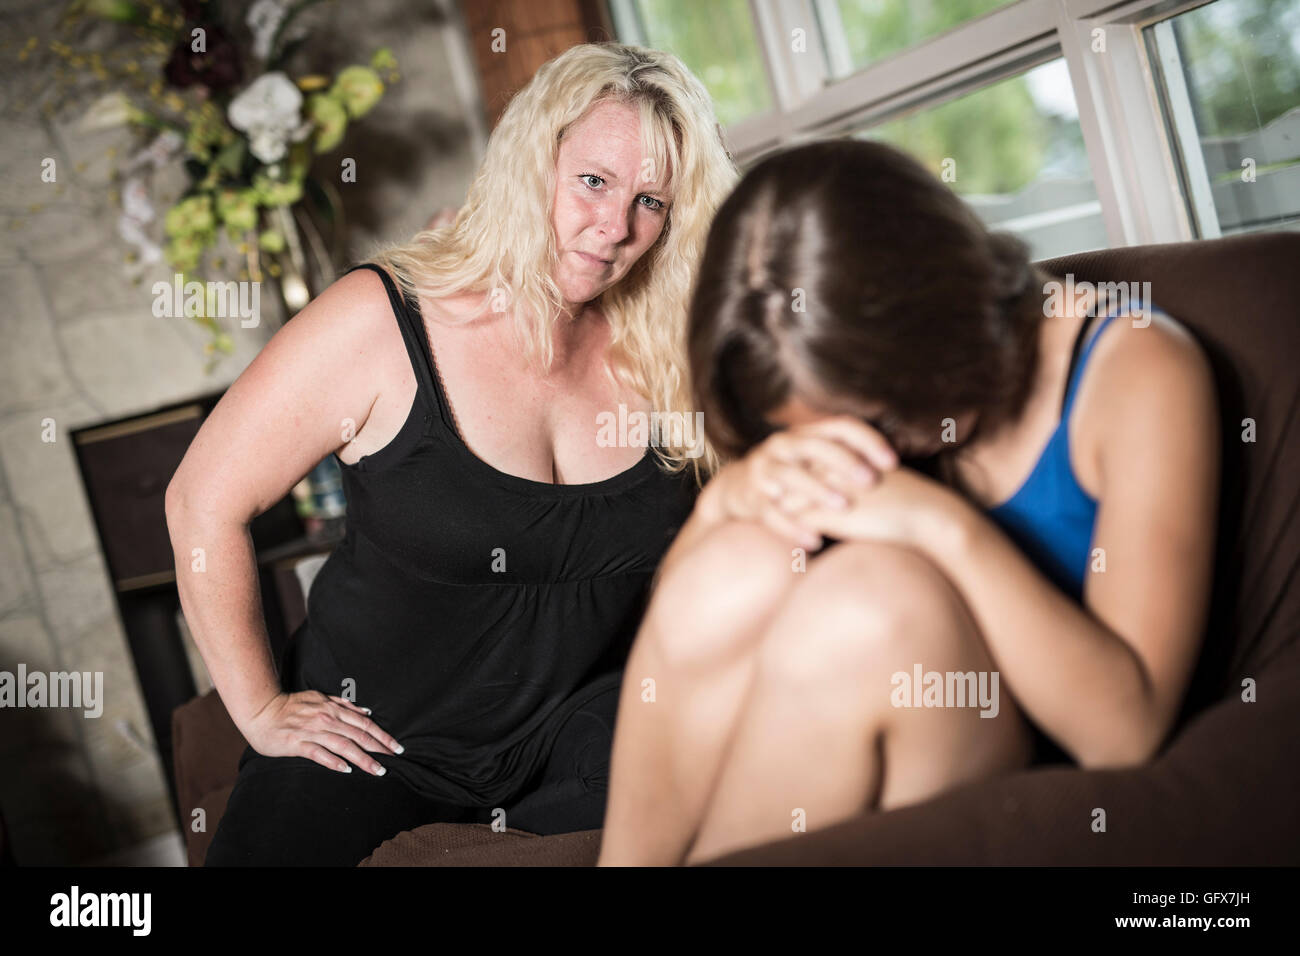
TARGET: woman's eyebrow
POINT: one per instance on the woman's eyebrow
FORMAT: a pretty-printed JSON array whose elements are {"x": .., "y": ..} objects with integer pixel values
[{"x": 608, "y": 174}]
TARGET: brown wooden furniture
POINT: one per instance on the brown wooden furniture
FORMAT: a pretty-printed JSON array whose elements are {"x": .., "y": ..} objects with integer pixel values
[{"x": 125, "y": 468}]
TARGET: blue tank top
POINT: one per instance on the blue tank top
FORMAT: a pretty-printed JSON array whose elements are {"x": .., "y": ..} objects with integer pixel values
[{"x": 1050, "y": 517}]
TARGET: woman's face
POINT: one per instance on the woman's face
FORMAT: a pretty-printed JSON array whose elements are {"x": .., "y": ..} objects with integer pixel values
[
  {"x": 909, "y": 439},
  {"x": 606, "y": 212}
]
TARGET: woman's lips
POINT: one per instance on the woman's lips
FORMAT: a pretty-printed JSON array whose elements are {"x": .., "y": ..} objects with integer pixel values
[{"x": 598, "y": 263}]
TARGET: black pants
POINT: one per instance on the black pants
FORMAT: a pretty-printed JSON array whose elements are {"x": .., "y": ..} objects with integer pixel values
[{"x": 291, "y": 811}]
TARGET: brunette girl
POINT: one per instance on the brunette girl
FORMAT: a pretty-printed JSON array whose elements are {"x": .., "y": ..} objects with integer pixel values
[{"x": 1013, "y": 478}]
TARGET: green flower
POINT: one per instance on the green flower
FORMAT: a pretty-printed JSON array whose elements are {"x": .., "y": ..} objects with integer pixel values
[
  {"x": 270, "y": 192},
  {"x": 184, "y": 252},
  {"x": 271, "y": 241},
  {"x": 123, "y": 11},
  {"x": 189, "y": 217},
  {"x": 330, "y": 117},
  {"x": 358, "y": 88},
  {"x": 208, "y": 129},
  {"x": 298, "y": 163},
  {"x": 383, "y": 59},
  {"x": 237, "y": 209}
]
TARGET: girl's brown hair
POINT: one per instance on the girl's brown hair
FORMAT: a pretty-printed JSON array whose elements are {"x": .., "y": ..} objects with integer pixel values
[{"x": 843, "y": 268}]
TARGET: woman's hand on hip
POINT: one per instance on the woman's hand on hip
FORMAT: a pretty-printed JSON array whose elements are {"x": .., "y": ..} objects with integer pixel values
[
  {"x": 329, "y": 730},
  {"x": 825, "y": 464}
]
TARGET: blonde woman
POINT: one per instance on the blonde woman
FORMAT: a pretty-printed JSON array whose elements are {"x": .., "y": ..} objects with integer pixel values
[{"x": 462, "y": 652}]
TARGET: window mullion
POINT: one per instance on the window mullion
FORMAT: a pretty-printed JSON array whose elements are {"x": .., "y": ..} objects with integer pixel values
[
  {"x": 794, "y": 75},
  {"x": 1123, "y": 131}
]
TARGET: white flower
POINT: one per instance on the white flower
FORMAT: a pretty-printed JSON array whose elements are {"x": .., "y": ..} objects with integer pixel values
[
  {"x": 135, "y": 201},
  {"x": 137, "y": 211},
  {"x": 158, "y": 152},
  {"x": 111, "y": 109},
  {"x": 269, "y": 113}
]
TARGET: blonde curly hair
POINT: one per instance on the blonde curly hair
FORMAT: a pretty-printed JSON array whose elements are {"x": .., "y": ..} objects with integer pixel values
[{"x": 502, "y": 237}]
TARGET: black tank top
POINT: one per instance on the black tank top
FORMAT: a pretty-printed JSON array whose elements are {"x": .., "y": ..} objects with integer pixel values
[{"x": 475, "y": 610}]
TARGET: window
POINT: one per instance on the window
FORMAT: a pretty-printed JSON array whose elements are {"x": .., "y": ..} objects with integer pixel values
[
  {"x": 716, "y": 40},
  {"x": 1230, "y": 86},
  {"x": 1076, "y": 124},
  {"x": 860, "y": 32},
  {"x": 1014, "y": 151}
]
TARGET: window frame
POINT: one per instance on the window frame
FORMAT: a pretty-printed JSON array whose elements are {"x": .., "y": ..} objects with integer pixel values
[{"x": 1134, "y": 162}]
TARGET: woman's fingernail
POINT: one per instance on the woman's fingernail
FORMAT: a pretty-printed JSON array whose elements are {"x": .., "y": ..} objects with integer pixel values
[
  {"x": 863, "y": 475},
  {"x": 399, "y": 749},
  {"x": 381, "y": 771},
  {"x": 366, "y": 710},
  {"x": 347, "y": 768}
]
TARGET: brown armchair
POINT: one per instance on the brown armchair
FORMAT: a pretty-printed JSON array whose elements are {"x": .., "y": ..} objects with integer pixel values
[{"x": 1221, "y": 792}]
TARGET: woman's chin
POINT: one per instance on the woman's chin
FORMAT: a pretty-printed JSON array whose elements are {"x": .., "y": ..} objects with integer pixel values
[{"x": 581, "y": 291}]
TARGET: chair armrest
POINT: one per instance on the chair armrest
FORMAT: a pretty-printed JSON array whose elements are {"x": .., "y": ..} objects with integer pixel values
[{"x": 206, "y": 747}]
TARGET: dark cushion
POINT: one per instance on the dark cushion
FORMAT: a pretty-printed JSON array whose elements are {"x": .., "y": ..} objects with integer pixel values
[
  {"x": 475, "y": 844},
  {"x": 213, "y": 805},
  {"x": 206, "y": 746}
]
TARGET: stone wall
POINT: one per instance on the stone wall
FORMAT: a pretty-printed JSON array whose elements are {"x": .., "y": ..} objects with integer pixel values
[{"x": 79, "y": 344}]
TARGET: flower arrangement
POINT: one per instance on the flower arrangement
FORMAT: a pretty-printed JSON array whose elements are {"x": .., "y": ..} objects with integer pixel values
[{"x": 207, "y": 83}]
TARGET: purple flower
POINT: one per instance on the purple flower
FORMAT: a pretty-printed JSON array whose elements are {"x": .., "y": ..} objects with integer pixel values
[{"x": 217, "y": 67}]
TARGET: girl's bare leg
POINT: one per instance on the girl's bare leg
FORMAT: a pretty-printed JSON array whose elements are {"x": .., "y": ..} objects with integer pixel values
[
  {"x": 819, "y": 740},
  {"x": 683, "y": 686}
]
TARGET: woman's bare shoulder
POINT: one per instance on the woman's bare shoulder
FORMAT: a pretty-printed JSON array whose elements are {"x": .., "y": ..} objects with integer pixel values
[
  {"x": 1152, "y": 391},
  {"x": 1150, "y": 351}
]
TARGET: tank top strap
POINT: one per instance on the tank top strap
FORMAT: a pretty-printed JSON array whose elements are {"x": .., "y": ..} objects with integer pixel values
[
  {"x": 1079, "y": 361},
  {"x": 411, "y": 323}
]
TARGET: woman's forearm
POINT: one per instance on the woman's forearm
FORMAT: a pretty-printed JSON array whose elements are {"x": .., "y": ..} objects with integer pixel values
[
  {"x": 216, "y": 575},
  {"x": 1080, "y": 681}
]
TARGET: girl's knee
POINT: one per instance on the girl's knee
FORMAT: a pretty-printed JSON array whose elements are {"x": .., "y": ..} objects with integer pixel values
[
  {"x": 864, "y": 610},
  {"x": 710, "y": 602}
]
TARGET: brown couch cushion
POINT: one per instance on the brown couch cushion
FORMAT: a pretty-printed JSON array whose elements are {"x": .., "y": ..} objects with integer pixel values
[
  {"x": 213, "y": 805},
  {"x": 206, "y": 746},
  {"x": 475, "y": 844}
]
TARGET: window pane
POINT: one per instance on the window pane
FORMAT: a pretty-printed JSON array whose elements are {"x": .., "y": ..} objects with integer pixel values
[
  {"x": 717, "y": 41},
  {"x": 1014, "y": 151},
  {"x": 1230, "y": 82},
  {"x": 870, "y": 30}
]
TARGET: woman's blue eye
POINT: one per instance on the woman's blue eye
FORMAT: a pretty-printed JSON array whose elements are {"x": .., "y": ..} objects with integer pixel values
[{"x": 659, "y": 204}]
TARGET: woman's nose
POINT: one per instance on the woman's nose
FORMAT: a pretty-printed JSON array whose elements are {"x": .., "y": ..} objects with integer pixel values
[{"x": 614, "y": 221}]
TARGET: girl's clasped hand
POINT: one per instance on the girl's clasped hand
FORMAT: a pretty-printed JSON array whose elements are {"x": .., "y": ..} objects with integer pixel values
[{"x": 835, "y": 476}]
